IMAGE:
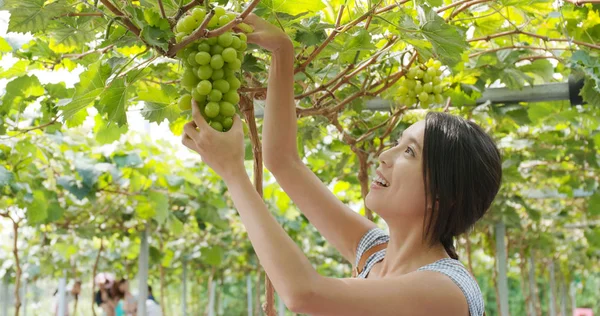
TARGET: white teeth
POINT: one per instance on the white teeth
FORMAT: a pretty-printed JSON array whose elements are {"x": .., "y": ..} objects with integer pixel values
[{"x": 381, "y": 181}]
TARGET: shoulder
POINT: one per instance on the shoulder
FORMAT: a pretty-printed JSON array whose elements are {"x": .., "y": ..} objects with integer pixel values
[{"x": 456, "y": 272}]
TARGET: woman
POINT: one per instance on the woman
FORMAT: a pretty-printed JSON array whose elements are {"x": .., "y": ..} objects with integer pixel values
[
  {"x": 123, "y": 299},
  {"x": 438, "y": 180}
]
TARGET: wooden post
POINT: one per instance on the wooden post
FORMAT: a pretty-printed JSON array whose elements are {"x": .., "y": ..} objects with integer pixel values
[
  {"x": 249, "y": 293},
  {"x": 551, "y": 295},
  {"x": 184, "y": 289},
  {"x": 502, "y": 268},
  {"x": 143, "y": 273}
]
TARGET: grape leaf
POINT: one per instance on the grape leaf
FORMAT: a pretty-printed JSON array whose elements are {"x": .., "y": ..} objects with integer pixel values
[
  {"x": 106, "y": 134},
  {"x": 160, "y": 202},
  {"x": 539, "y": 111},
  {"x": 293, "y": 7},
  {"x": 5, "y": 176},
  {"x": 18, "y": 69},
  {"x": 20, "y": 89},
  {"x": 159, "y": 104},
  {"x": 129, "y": 160},
  {"x": 91, "y": 84},
  {"x": 594, "y": 205},
  {"x": 4, "y": 46},
  {"x": 590, "y": 94},
  {"x": 37, "y": 210},
  {"x": 156, "y": 37},
  {"x": 71, "y": 185},
  {"x": 113, "y": 102},
  {"x": 448, "y": 43},
  {"x": 55, "y": 212},
  {"x": 175, "y": 225},
  {"x": 33, "y": 15},
  {"x": 514, "y": 78},
  {"x": 540, "y": 67},
  {"x": 213, "y": 255}
]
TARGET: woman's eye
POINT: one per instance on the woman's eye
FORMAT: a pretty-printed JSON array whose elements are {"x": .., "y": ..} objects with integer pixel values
[{"x": 410, "y": 151}]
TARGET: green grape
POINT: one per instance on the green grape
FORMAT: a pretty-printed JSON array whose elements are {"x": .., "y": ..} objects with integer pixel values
[
  {"x": 412, "y": 101},
  {"x": 202, "y": 58},
  {"x": 225, "y": 39},
  {"x": 427, "y": 78},
  {"x": 226, "y": 109},
  {"x": 216, "y": 49},
  {"x": 218, "y": 74},
  {"x": 205, "y": 72},
  {"x": 231, "y": 96},
  {"x": 197, "y": 96},
  {"x": 411, "y": 94},
  {"x": 229, "y": 54},
  {"x": 243, "y": 47},
  {"x": 439, "y": 98},
  {"x": 436, "y": 80},
  {"x": 186, "y": 24},
  {"x": 428, "y": 87},
  {"x": 224, "y": 19},
  {"x": 425, "y": 104},
  {"x": 215, "y": 95},
  {"x": 420, "y": 73},
  {"x": 191, "y": 59},
  {"x": 418, "y": 87},
  {"x": 228, "y": 72},
  {"x": 185, "y": 102},
  {"x": 198, "y": 14},
  {"x": 423, "y": 96},
  {"x": 204, "y": 87},
  {"x": 437, "y": 89},
  {"x": 204, "y": 47},
  {"x": 240, "y": 56},
  {"x": 429, "y": 63},
  {"x": 236, "y": 43},
  {"x": 216, "y": 125},
  {"x": 402, "y": 90},
  {"x": 212, "y": 109},
  {"x": 179, "y": 37},
  {"x": 213, "y": 23},
  {"x": 431, "y": 71},
  {"x": 243, "y": 37},
  {"x": 227, "y": 123},
  {"x": 401, "y": 100},
  {"x": 235, "y": 65},
  {"x": 410, "y": 84},
  {"x": 412, "y": 73},
  {"x": 245, "y": 27},
  {"x": 216, "y": 62},
  {"x": 219, "y": 11},
  {"x": 221, "y": 85},
  {"x": 438, "y": 72},
  {"x": 234, "y": 83},
  {"x": 437, "y": 64},
  {"x": 189, "y": 80},
  {"x": 211, "y": 41}
]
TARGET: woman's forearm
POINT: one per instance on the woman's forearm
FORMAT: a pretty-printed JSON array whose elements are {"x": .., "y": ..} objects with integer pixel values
[
  {"x": 287, "y": 267},
  {"x": 279, "y": 126}
]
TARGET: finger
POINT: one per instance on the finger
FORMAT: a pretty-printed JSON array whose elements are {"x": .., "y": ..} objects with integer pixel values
[
  {"x": 188, "y": 142},
  {"x": 252, "y": 19},
  {"x": 191, "y": 132},
  {"x": 253, "y": 38},
  {"x": 198, "y": 118},
  {"x": 237, "y": 124}
]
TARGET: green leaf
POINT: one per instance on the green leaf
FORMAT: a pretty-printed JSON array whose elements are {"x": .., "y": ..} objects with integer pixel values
[
  {"x": 33, "y": 15},
  {"x": 37, "y": 210},
  {"x": 129, "y": 160},
  {"x": 514, "y": 79},
  {"x": 113, "y": 102},
  {"x": 213, "y": 255},
  {"x": 539, "y": 111},
  {"x": 18, "y": 69},
  {"x": 167, "y": 258},
  {"x": 19, "y": 90},
  {"x": 160, "y": 203},
  {"x": 91, "y": 84},
  {"x": 590, "y": 94},
  {"x": 6, "y": 177},
  {"x": 88, "y": 171},
  {"x": 293, "y": 7},
  {"x": 4, "y": 46},
  {"x": 594, "y": 204},
  {"x": 107, "y": 134},
  {"x": 55, "y": 212},
  {"x": 540, "y": 67},
  {"x": 70, "y": 184},
  {"x": 175, "y": 225},
  {"x": 156, "y": 37},
  {"x": 159, "y": 103},
  {"x": 448, "y": 43}
]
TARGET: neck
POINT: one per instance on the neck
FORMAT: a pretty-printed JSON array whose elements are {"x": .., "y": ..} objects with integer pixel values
[{"x": 407, "y": 251}]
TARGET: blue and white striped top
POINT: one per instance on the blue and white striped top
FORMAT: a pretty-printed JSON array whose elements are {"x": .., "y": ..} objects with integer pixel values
[{"x": 454, "y": 269}]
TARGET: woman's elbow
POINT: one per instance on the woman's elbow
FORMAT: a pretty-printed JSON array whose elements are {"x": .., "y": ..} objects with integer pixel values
[{"x": 300, "y": 302}]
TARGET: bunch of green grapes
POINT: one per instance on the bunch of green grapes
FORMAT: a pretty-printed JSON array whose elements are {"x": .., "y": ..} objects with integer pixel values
[
  {"x": 211, "y": 68},
  {"x": 422, "y": 83}
]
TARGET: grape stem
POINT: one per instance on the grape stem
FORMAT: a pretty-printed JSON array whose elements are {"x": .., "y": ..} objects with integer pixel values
[
  {"x": 162, "y": 9},
  {"x": 126, "y": 21},
  {"x": 183, "y": 10},
  {"x": 493, "y": 50},
  {"x": 201, "y": 32},
  {"x": 79, "y": 56},
  {"x": 542, "y": 37}
]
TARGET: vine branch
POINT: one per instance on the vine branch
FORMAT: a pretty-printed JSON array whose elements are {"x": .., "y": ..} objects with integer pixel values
[
  {"x": 493, "y": 50},
  {"x": 542, "y": 37},
  {"x": 126, "y": 21}
]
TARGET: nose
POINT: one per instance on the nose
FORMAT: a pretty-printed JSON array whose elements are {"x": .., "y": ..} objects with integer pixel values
[{"x": 385, "y": 158}]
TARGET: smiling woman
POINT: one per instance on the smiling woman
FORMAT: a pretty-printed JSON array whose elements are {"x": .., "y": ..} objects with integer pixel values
[{"x": 438, "y": 180}]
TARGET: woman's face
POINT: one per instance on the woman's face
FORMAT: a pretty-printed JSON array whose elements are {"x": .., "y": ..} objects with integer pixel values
[
  {"x": 124, "y": 286},
  {"x": 402, "y": 193}
]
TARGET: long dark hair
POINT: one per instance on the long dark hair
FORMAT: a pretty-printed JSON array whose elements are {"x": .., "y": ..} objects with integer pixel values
[{"x": 462, "y": 172}]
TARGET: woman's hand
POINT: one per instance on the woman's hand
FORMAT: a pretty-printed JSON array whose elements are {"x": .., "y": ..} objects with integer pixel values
[
  {"x": 222, "y": 151},
  {"x": 266, "y": 35}
]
